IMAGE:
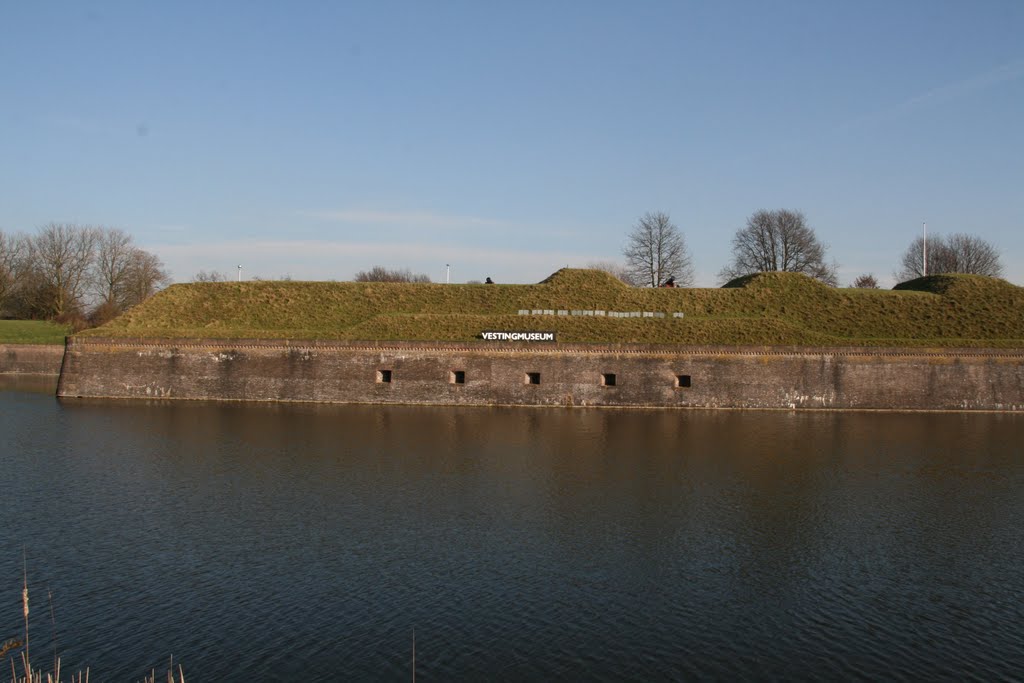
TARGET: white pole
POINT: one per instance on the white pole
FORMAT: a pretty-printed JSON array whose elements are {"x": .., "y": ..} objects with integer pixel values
[
  {"x": 239, "y": 273},
  {"x": 447, "y": 273},
  {"x": 924, "y": 250}
]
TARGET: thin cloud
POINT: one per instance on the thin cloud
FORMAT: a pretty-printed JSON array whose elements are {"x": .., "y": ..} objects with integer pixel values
[
  {"x": 1005, "y": 73},
  {"x": 411, "y": 219}
]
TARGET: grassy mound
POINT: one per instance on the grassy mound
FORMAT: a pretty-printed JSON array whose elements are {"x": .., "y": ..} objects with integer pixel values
[{"x": 768, "y": 308}]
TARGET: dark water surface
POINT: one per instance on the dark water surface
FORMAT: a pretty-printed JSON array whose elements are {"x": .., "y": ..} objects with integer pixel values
[{"x": 267, "y": 543}]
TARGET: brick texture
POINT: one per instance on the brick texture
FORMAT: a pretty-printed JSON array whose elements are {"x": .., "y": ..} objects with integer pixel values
[{"x": 569, "y": 374}]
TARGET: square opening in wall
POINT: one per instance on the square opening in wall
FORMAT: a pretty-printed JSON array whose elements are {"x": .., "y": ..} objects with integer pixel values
[
  {"x": 457, "y": 377},
  {"x": 533, "y": 378},
  {"x": 608, "y": 379},
  {"x": 384, "y": 377},
  {"x": 682, "y": 381}
]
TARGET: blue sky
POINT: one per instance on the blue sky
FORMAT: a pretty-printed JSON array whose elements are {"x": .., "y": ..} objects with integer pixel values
[{"x": 316, "y": 139}]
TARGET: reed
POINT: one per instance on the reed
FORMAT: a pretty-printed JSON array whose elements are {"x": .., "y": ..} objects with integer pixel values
[{"x": 29, "y": 674}]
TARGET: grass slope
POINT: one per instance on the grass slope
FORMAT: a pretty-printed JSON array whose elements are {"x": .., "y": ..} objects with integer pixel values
[
  {"x": 32, "y": 332},
  {"x": 769, "y": 308}
]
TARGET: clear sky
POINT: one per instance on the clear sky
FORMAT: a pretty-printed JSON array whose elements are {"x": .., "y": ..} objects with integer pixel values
[{"x": 316, "y": 139}]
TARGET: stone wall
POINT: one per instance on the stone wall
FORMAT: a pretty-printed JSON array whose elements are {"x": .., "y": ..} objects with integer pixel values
[
  {"x": 30, "y": 359},
  {"x": 557, "y": 374}
]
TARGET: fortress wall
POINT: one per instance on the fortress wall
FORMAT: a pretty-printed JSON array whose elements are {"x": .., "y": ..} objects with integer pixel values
[
  {"x": 497, "y": 374},
  {"x": 30, "y": 359}
]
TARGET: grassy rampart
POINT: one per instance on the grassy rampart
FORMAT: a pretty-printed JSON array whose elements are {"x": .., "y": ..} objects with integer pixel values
[
  {"x": 771, "y": 308},
  {"x": 32, "y": 332}
]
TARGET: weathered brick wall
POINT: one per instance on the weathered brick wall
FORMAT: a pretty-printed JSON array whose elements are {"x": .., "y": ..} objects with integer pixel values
[
  {"x": 424, "y": 373},
  {"x": 30, "y": 359}
]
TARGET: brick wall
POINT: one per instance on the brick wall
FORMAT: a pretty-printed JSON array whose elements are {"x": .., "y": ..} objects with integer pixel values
[
  {"x": 30, "y": 359},
  {"x": 563, "y": 374}
]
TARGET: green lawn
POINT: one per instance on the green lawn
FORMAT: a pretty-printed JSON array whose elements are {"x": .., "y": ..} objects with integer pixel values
[
  {"x": 765, "y": 309},
  {"x": 32, "y": 332}
]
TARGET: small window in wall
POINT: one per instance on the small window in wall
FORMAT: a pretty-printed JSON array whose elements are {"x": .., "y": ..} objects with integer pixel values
[
  {"x": 533, "y": 378},
  {"x": 384, "y": 376},
  {"x": 457, "y": 377},
  {"x": 608, "y": 379},
  {"x": 682, "y": 381}
]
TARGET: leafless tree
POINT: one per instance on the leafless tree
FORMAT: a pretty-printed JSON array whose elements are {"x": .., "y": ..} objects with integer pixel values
[
  {"x": 655, "y": 251},
  {"x": 146, "y": 276},
  {"x": 779, "y": 240},
  {"x": 114, "y": 252},
  {"x": 866, "y": 281},
  {"x": 616, "y": 270},
  {"x": 137, "y": 276},
  {"x": 959, "y": 253},
  {"x": 13, "y": 264},
  {"x": 970, "y": 254},
  {"x": 212, "y": 276},
  {"x": 912, "y": 261},
  {"x": 62, "y": 256},
  {"x": 382, "y": 274}
]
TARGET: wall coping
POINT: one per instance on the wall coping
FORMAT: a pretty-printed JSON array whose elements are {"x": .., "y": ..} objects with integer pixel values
[{"x": 542, "y": 348}]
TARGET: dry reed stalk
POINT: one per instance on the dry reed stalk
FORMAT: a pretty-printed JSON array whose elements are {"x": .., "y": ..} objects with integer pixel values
[
  {"x": 31, "y": 676},
  {"x": 151, "y": 678},
  {"x": 24, "y": 605}
]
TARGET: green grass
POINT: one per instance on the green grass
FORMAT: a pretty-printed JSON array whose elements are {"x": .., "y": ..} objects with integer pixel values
[
  {"x": 770, "y": 308},
  {"x": 32, "y": 332}
]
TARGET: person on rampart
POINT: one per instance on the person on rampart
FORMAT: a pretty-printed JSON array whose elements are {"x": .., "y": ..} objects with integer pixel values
[
  {"x": 488, "y": 281},
  {"x": 670, "y": 282}
]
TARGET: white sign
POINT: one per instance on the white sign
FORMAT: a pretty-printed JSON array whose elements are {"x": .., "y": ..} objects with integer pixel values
[{"x": 519, "y": 336}]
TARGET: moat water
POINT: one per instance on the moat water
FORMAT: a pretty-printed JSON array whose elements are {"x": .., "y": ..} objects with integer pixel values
[{"x": 303, "y": 542}]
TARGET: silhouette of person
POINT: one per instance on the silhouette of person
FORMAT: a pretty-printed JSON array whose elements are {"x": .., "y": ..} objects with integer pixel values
[{"x": 489, "y": 281}]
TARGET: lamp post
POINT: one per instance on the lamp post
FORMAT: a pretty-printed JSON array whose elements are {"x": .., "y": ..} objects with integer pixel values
[
  {"x": 239, "y": 272},
  {"x": 447, "y": 273}
]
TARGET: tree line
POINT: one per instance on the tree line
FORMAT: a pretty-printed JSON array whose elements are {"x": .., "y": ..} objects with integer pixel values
[
  {"x": 77, "y": 274},
  {"x": 782, "y": 240},
  {"x": 85, "y": 274}
]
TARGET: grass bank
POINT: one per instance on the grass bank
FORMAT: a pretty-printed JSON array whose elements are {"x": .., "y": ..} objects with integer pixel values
[
  {"x": 769, "y": 308},
  {"x": 32, "y": 332}
]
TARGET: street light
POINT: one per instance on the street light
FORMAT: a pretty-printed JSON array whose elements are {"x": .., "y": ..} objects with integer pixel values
[{"x": 239, "y": 272}]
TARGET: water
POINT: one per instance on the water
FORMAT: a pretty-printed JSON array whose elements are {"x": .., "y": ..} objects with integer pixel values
[{"x": 264, "y": 542}]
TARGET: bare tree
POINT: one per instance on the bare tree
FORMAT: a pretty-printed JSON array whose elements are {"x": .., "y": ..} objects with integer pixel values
[
  {"x": 656, "y": 251},
  {"x": 866, "y": 281},
  {"x": 616, "y": 270},
  {"x": 126, "y": 276},
  {"x": 63, "y": 255},
  {"x": 913, "y": 260},
  {"x": 12, "y": 266},
  {"x": 970, "y": 254},
  {"x": 382, "y": 274},
  {"x": 959, "y": 253},
  {"x": 114, "y": 252},
  {"x": 212, "y": 276},
  {"x": 146, "y": 276},
  {"x": 779, "y": 240}
]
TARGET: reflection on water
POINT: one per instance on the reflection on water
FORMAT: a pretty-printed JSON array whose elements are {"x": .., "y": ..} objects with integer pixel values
[
  {"x": 35, "y": 384},
  {"x": 271, "y": 541}
]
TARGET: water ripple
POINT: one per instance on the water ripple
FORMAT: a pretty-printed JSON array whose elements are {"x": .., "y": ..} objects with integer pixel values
[{"x": 286, "y": 543}]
